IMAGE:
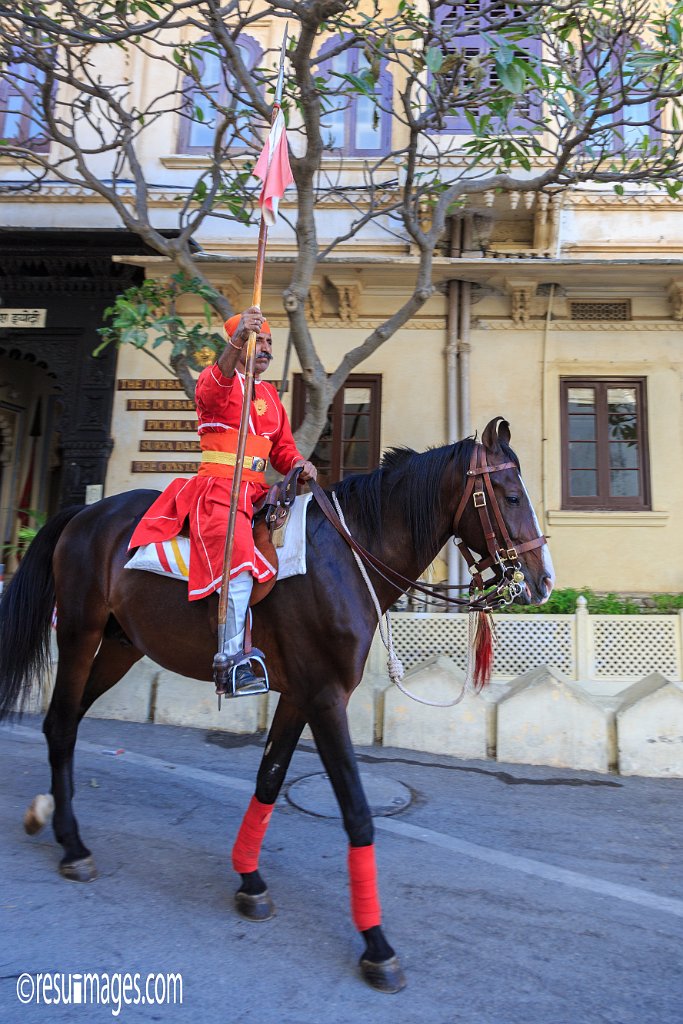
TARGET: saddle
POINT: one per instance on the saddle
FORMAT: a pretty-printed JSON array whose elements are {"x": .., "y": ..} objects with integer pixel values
[{"x": 270, "y": 522}]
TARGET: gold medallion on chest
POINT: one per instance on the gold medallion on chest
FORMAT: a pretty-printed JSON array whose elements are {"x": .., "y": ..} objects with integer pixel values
[{"x": 260, "y": 405}]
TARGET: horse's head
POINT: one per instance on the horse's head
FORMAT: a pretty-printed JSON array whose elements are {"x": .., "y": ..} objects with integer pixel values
[{"x": 496, "y": 520}]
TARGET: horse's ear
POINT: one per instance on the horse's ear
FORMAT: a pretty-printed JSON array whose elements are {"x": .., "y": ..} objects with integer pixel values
[{"x": 494, "y": 432}]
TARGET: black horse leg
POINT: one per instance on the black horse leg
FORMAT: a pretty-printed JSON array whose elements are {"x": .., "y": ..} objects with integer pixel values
[
  {"x": 379, "y": 964},
  {"x": 72, "y": 696},
  {"x": 252, "y": 898}
]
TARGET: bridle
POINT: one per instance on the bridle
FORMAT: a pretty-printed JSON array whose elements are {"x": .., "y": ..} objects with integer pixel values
[{"x": 503, "y": 553}]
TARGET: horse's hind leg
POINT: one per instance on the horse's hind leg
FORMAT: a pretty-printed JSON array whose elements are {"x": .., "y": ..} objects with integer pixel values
[
  {"x": 252, "y": 898},
  {"x": 379, "y": 964},
  {"x": 82, "y": 676}
]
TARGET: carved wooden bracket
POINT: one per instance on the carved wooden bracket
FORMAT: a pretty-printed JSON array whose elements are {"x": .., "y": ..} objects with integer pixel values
[
  {"x": 522, "y": 293},
  {"x": 232, "y": 288},
  {"x": 349, "y": 290},
  {"x": 314, "y": 302},
  {"x": 676, "y": 298}
]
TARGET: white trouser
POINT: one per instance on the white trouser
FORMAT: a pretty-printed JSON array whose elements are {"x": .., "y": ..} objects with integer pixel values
[{"x": 239, "y": 593}]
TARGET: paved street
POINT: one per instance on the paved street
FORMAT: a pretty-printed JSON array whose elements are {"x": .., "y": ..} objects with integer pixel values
[{"x": 513, "y": 895}]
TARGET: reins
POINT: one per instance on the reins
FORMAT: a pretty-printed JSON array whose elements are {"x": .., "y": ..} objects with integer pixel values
[{"x": 502, "y": 557}]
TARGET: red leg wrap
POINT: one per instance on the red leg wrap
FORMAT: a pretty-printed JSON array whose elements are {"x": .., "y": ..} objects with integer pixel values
[
  {"x": 364, "y": 896},
  {"x": 245, "y": 852}
]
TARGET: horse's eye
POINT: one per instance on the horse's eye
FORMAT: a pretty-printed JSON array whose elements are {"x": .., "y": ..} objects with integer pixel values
[{"x": 512, "y": 499}]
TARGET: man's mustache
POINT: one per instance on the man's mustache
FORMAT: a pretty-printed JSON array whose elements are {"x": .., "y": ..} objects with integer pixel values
[{"x": 264, "y": 355}]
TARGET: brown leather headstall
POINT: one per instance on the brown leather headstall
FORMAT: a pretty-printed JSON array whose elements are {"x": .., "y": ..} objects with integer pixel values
[{"x": 503, "y": 552}]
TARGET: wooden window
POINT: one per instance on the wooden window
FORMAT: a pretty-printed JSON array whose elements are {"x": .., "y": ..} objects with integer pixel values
[
  {"x": 638, "y": 122},
  {"x": 350, "y": 440},
  {"x": 604, "y": 443},
  {"x": 354, "y": 124},
  {"x": 468, "y": 28},
  {"x": 203, "y": 112},
  {"x": 21, "y": 111}
]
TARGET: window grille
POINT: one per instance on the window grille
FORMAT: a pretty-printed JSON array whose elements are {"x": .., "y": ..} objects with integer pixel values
[{"x": 585, "y": 310}]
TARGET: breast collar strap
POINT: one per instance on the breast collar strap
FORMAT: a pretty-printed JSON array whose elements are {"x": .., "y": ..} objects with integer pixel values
[{"x": 503, "y": 554}]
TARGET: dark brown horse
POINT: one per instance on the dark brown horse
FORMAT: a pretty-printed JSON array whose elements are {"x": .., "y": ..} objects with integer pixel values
[{"x": 315, "y": 630}]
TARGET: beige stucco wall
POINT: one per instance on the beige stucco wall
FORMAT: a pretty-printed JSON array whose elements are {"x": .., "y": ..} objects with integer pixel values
[
  {"x": 515, "y": 372},
  {"x": 637, "y": 551}
]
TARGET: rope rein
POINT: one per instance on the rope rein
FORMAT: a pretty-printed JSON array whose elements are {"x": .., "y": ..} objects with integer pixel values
[{"x": 394, "y": 664}]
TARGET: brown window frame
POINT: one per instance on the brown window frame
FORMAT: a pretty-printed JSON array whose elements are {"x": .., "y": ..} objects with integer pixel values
[
  {"x": 373, "y": 381},
  {"x": 604, "y": 501}
]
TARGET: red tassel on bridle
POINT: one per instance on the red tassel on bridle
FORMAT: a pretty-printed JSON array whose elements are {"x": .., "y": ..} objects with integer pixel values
[{"x": 482, "y": 643}]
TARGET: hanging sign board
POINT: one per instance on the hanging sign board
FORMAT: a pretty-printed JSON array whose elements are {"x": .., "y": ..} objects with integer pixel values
[{"x": 22, "y": 317}]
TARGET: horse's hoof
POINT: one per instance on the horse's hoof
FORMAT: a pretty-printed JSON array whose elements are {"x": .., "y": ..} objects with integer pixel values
[
  {"x": 38, "y": 813},
  {"x": 386, "y": 976},
  {"x": 255, "y": 908},
  {"x": 82, "y": 870}
]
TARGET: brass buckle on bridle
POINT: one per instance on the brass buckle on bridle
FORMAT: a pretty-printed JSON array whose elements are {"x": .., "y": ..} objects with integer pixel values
[{"x": 479, "y": 499}]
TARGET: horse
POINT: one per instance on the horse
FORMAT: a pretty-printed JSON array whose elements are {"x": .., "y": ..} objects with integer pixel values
[{"x": 315, "y": 629}]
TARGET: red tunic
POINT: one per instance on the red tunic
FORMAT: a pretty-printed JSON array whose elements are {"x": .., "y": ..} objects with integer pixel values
[{"x": 204, "y": 500}]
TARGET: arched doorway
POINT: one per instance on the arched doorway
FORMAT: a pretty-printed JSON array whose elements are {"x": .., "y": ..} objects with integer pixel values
[{"x": 31, "y": 407}]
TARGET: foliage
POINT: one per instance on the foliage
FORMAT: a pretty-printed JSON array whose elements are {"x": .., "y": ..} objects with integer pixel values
[
  {"x": 145, "y": 316},
  {"x": 25, "y": 534},
  {"x": 563, "y": 602},
  {"x": 602, "y": 104}
]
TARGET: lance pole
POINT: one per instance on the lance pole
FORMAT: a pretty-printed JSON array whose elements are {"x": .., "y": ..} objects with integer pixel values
[{"x": 247, "y": 396}]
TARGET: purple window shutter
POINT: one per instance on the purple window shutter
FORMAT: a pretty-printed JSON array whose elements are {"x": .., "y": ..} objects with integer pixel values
[
  {"x": 197, "y": 137},
  {"x": 468, "y": 16},
  {"x": 360, "y": 138},
  {"x": 20, "y": 109}
]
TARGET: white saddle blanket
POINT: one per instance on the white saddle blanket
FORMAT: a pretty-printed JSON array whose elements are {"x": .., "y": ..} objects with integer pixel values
[{"x": 172, "y": 557}]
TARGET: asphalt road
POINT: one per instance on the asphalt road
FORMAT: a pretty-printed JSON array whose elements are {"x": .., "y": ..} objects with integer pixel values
[{"x": 513, "y": 895}]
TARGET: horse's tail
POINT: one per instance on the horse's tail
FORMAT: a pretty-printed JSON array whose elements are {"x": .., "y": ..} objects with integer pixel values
[{"x": 26, "y": 613}]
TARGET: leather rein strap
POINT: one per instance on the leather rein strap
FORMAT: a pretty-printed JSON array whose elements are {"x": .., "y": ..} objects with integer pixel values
[
  {"x": 391, "y": 576},
  {"x": 503, "y": 558}
]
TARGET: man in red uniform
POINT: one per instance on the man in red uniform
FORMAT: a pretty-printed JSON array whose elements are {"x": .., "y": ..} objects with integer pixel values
[{"x": 204, "y": 500}]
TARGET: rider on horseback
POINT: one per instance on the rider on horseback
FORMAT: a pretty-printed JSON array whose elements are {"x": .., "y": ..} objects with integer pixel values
[{"x": 204, "y": 500}]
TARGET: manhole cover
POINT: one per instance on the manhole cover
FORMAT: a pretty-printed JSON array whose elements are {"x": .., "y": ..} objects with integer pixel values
[{"x": 314, "y": 795}]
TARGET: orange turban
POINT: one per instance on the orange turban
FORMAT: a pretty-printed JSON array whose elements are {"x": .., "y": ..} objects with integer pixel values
[{"x": 232, "y": 323}]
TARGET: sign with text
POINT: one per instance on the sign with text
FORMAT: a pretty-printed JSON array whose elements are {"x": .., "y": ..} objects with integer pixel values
[
  {"x": 177, "y": 444},
  {"x": 171, "y": 425},
  {"x": 164, "y": 467},
  {"x": 159, "y": 405},
  {"x": 149, "y": 384},
  {"x": 22, "y": 317}
]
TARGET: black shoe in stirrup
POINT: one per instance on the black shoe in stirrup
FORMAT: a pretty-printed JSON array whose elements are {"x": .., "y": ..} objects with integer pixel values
[
  {"x": 234, "y": 676},
  {"x": 247, "y": 683}
]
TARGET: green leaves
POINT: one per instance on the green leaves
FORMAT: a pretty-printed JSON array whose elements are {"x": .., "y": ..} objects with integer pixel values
[
  {"x": 145, "y": 316},
  {"x": 512, "y": 77},
  {"x": 434, "y": 58}
]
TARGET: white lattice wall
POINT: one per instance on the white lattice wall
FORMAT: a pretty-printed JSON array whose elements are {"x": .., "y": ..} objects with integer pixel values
[
  {"x": 633, "y": 646},
  {"x": 581, "y": 646},
  {"x": 525, "y": 642}
]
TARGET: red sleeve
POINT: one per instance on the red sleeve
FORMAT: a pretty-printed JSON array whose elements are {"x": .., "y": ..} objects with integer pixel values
[
  {"x": 284, "y": 452},
  {"x": 212, "y": 393}
]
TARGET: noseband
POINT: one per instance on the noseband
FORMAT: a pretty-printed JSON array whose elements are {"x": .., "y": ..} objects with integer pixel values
[{"x": 503, "y": 553}]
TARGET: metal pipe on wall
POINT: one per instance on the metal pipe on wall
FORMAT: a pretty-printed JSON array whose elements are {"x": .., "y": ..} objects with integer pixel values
[
  {"x": 453, "y": 418},
  {"x": 465, "y": 425}
]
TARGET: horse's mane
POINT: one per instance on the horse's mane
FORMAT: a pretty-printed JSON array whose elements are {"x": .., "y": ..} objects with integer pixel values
[{"x": 412, "y": 478}]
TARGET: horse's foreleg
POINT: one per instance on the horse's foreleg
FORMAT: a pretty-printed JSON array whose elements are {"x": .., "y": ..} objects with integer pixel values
[
  {"x": 379, "y": 964},
  {"x": 252, "y": 898}
]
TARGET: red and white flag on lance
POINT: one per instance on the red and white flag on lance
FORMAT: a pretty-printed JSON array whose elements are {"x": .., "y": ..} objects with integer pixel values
[{"x": 272, "y": 167}]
